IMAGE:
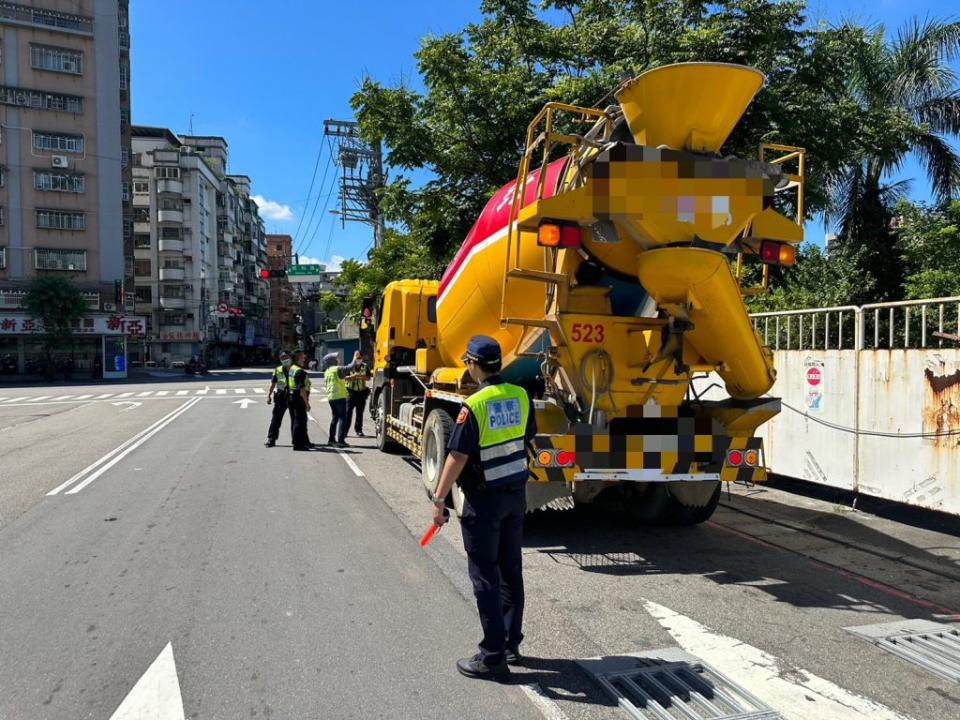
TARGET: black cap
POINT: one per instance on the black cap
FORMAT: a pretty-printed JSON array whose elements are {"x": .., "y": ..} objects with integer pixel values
[
  {"x": 483, "y": 350},
  {"x": 284, "y": 353}
]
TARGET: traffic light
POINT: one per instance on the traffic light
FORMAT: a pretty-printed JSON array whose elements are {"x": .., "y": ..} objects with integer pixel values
[{"x": 265, "y": 274}]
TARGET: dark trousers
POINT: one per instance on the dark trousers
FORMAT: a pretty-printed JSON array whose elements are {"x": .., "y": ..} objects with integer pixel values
[
  {"x": 492, "y": 526},
  {"x": 338, "y": 421},
  {"x": 298, "y": 415},
  {"x": 279, "y": 410},
  {"x": 356, "y": 400}
]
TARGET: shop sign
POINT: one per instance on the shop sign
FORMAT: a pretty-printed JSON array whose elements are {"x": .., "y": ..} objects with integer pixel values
[
  {"x": 189, "y": 336},
  {"x": 21, "y": 324}
]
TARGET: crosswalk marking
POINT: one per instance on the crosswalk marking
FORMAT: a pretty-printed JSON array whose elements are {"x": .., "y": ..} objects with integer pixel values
[
  {"x": 259, "y": 391},
  {"x": 145, "y": 394},
  {"x": 240, "y": 391},
  {"x": 219, "y": 392},
  {"x": 203, "y": 392},
  {"x": 83, "y": 397},
  {"x": 162, "y": 392},
  {"x": 182, "y": 392},
  {"x": 63, "y": 397},
  {"x": 104, "y": 396},
  {"x": 17, "y": 399},
  {"x": 123, "y": 395},
  {"x": 38, "y": 399}
]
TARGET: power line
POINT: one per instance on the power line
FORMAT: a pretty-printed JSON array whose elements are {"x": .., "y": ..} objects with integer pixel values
[
  {"x": 313, "y": 211},
  {"x": 316, "y": 166}
]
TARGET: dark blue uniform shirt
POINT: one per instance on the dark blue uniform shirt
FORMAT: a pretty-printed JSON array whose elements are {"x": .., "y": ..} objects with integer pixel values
[{"x": 466, "y": 433}]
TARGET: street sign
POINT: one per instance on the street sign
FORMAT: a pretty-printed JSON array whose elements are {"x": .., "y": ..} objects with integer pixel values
[{"x": 304, "y": 273}]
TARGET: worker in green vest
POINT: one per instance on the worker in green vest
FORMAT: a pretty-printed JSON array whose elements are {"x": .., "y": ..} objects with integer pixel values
[
  {"x": 298, "y": 397},
  {"x": 336, "y": 388},
  {"x": 491, "y": 433}
]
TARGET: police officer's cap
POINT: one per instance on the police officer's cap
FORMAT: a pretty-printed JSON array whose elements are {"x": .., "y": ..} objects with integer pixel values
[
  {"x": 284, "y": 353},
  {"x": 483, "y": 350}
]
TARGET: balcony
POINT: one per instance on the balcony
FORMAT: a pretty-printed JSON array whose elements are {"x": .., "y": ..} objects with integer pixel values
[
  {"x": 141, "y": 200},
  {"x": 173, "y": 216},
  {"x": 173, "y": 328},
  {"x": 141, "y": 228},
  {"x": 226, "y": 286},
  {"x": 166, "y": 245},
  {"x": 170, "y": 185},
  {"x": 143, "y": 308},
  {"x": 171, "y": 273},
  {"x": 225, "y": 262},
  {"x": 172, "y": 303}
]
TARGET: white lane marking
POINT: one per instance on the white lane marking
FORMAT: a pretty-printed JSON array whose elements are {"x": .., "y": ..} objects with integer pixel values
[
  {"x": 123, "y": 395},
  {"x": 132, "y": 403},
  {"x": 182, "y": 392},
  {"x": 62, "y": 397},
  {"x": 104, "y": 396},
  {"x": 41, "y": 397},
  {"x": 156, "y": 696},
  {"x": 83, "y": 397},
  {"x": 244, "y": 402},
  {"x": 113, "y": 452},
  {"x": 161, "y": 393},
  {"x": 346, "y": 458},
  {"x": 219, "y": 392},
  {"x": 16, "y": 399},
  {"x": 547, "y": 707},
  {"x": 804, "y": 696},
  {"x": 259, "y": 391},
  {"x": 146, "y": 393},
  {"x": 204, "y": 391},
  {"x": 240, "y": 391},
  {"x": 133, "y": 446}
]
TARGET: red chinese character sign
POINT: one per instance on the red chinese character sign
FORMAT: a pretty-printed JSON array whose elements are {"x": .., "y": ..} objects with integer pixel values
[
  {"x": 813, "y": 384},
  {"x": 18, "y": 323}
]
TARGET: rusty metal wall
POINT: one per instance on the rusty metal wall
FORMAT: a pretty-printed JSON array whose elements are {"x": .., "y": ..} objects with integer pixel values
[{"x": 903, "y": 405}]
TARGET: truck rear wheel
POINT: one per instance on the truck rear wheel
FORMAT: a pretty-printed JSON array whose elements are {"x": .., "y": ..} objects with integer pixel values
[
  {"x": 384, "y": 443},
  {"x": 433, "y": 455},
  {"x": 646, "y": 503},
  {"x": 691, "y": 506}
]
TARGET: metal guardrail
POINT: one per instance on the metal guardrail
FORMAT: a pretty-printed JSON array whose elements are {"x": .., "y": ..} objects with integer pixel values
[{"x": 907, "y": 324}]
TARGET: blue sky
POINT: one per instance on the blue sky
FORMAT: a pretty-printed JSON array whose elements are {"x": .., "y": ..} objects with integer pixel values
[{"x": 265, "y": 77}]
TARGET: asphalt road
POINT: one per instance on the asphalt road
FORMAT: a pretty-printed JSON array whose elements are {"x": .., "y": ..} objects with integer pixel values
[{"x": 146, "y": 527}]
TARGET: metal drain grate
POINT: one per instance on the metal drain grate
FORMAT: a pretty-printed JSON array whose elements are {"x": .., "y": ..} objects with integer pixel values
[
  {"x": 933, "y": 646},
  {"x": 670, "y": 684}
]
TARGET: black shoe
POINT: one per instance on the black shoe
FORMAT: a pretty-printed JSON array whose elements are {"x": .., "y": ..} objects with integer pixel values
[
  {"x": 342, "y": 444},
  {"x": 475, "y": 668},
  {"x": 360, "y": 433},
  {"x": 302, "y": 448},
  {"x": 513, "y": 657},
  {"x": 269, "y": 443}
]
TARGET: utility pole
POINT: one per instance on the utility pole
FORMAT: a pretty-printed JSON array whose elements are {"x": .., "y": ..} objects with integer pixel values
[{"x": 361, "y": 177}]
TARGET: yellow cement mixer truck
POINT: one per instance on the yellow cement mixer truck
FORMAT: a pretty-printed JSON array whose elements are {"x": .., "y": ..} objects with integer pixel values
[{"x": 611, "y": 278}]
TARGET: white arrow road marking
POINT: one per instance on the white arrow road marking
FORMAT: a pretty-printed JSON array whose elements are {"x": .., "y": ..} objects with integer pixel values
[
  {"x": 804, "y": 696},
  {"x": 131, "y": 403},
  {"x": 119, "y": 452},
  {"x": 156, "y": 696},
  {"x": 243, "y": 402}
]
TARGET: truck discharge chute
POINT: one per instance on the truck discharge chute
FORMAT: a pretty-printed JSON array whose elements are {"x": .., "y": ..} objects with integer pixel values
[{"x": 611, "y": 279}]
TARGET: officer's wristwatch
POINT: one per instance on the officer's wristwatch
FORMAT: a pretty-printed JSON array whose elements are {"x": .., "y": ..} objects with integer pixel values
[{"x": 436, "y": 500}]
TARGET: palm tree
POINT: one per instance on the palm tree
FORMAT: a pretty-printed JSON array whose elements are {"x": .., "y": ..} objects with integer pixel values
[{"x": 908, "y": 103}]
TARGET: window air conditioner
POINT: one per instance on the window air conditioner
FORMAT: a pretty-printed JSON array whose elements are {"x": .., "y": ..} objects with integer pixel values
[
  {"x": 109, "y": 307},
  {"x": 59, "y": 161}
]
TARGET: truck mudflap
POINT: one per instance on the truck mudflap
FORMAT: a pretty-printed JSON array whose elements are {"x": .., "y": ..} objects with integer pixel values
[{"x": 661, "y": 454}]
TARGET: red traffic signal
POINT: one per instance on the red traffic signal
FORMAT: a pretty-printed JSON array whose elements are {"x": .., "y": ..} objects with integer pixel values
[{"x": 265, "y": 273}]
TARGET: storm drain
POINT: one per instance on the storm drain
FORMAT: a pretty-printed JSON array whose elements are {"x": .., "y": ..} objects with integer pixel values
[
  {"x": 670, "y": 684},
  {"x": 933, "y": 646}
]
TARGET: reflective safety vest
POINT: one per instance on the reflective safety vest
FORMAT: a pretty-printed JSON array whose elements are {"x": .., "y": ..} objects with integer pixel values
[
  {"x": 361, "y": 382},
  {"x": 278, "y": 375},
  {"x": 501, "y": 412},
  {"x": 291, "y": 377},
  {"x": 307, "y": 384},
  {"x": 336, "y": 387}
]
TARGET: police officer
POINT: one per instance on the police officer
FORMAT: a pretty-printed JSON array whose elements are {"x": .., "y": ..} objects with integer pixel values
[
  {"x": 357, "y": 393},
  {"x": 299, "y": 401},
  {"x": 277, "y": 395},
  {"x": 491, "y": 433}
]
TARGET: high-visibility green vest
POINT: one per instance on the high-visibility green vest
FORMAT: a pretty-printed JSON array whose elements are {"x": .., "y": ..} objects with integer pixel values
[
  {"x": 291, "y": 377},
  {"x": 502, "y": 411},
  {"x": 336, "y": 387},
  {"x": 359, "y": 383},
  {"x": 279, "y": 374}
]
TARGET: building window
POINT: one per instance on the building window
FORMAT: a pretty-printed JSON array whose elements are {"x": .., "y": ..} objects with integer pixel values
[
  {"x": 61, "y": 220},
  {"x": 141, "y": 242},
  {"x": 3, "y": 176},
  {"x": 125, "y": 192},
  {"x": 166, "y": 172},
  {"x": 124, "y": 156},
  {"x": 172, "y": 291},
  {"x": 124, "y": 75},
  {"x": 1, "y": 215},
  {"x": 141, "y": 187},
  {"x": 38, "y": 100},
  {"x": 47, "y": 259},
  {"x": 124, "y": 119},
  {"x": 58, "y": 143},
  {"x": 57, "y": 59},
  {"x": 143, "y": 294},
  {"x": 141, "y": 215},
  {"x": 127, "y": 228},
  {"x": 3, "y": 258},
  {"x": 171, "y": 203},
  {"x": 141, "y": 268},
  {"x": 170, "y": 233},
  {"x": 58, "y": 182}
]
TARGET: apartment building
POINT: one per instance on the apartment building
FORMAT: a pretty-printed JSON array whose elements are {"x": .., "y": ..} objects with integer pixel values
[
  {"x": 64, "y": 96},
  {"x": 198, "y": 248},
  {"x": 282, "y": 308}
]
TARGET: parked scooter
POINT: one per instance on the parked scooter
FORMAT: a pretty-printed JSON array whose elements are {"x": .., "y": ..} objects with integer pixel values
[{"x": 196, "y": 366}]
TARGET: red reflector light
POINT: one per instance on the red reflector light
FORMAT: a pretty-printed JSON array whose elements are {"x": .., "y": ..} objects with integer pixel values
[
  {"x": 570, "y": 236},
  {"x": 734, "y": 458},
  {"x": 566, "y": 458},
  {"x": 770, "y": 252}
]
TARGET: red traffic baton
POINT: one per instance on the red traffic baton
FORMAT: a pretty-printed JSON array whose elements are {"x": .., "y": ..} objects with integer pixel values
[{"x": 428, "y": 535}]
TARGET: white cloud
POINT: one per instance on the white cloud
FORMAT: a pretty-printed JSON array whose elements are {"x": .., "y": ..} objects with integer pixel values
[
  {"x": 335, "y": 262},
  {"x": 273, "y": 210}
]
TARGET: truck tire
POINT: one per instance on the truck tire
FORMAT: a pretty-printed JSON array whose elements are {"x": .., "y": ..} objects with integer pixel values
[
  {"x": 679, "y": 512},
  {"x": 646, "y": 503},
  {"x": 384, "y": 443},
  {"x": 433, "y": 454}
]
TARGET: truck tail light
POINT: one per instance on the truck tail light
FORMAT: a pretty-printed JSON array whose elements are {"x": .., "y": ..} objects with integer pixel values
[
  {"x": 751, "y": 458},
  {"x": 570, "y": 236},
  {"x": 548, "y": 234},
  {"x": 734, "y": 458},
  {"x": 774, "y": 253},
  {"x": 558, "y": 234}
]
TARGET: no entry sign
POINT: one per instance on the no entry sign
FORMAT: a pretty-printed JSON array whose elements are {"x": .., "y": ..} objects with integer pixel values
[{"x": 813, "y": 376}]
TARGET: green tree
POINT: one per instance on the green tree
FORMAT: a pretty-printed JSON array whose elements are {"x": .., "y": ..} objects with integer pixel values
[
  {"x": 909, "y": 103},
  {"x": 928, "y": 239},
  {"x": 56, "y": 303},
  {"x": 817, "y": 280}
]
